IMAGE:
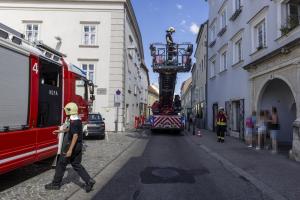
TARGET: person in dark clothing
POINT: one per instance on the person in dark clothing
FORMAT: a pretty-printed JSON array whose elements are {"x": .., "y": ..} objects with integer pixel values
[
  {"x": 221, "y": 125},
  {"x": 170, "y": 44},
  {"x": 71, "y": 151}
]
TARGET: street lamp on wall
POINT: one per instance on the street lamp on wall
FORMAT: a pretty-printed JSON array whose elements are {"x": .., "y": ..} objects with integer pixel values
[{"x": 58, "y": 43}]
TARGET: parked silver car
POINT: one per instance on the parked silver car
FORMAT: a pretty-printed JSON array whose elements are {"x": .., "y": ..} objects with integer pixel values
[{"x": 95, "y": 126}]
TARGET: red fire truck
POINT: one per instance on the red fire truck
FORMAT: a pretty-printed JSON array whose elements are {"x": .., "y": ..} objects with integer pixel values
[
  {"x": 168, "y": 62},
  {"x": 35, "y": 83}
]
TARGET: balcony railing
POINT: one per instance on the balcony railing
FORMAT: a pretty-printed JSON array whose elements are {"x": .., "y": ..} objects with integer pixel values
[
  {"x": 292, "y": 22},
  {"x": 177, "y": 56}
]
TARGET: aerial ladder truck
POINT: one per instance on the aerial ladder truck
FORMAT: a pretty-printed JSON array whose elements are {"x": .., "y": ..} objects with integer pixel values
[{"x": 167, "y": 61}]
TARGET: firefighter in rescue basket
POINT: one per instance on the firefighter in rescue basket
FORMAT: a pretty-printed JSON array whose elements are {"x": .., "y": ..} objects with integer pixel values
[{"x": 170, "y": 45}]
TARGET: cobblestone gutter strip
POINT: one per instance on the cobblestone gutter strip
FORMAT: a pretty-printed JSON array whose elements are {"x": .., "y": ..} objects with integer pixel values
[
  {"x": 96, "y": 157},
  {"x": 265, "y": 189}
]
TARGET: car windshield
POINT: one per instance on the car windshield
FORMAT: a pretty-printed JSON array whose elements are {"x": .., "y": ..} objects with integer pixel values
[{"x": 95, "y": 117}]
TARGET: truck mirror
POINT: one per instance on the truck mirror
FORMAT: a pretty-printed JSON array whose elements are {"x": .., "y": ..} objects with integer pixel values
[
  {"x": 91, "y": 84},
  {"x": 92, "y": 97}
]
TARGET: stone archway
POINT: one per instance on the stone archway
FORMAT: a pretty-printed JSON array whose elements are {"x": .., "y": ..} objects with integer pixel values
[{"x": 278, "y": 93}]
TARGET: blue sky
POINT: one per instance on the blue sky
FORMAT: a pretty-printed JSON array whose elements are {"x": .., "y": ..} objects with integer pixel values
[{"x": 155, "y": 16}]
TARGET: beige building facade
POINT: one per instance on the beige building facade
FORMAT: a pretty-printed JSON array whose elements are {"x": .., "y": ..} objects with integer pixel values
[
  {"x": 199, "y": 74},
  {"x": 101, "y": 37},
  {"x": 186, "y": 97},
  {"x": 275, "y": 82},
  {"x": 153, "y": 95}
]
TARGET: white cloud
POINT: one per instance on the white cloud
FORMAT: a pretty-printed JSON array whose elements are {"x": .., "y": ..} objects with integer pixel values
[
  {"x": 183, "y": 22},
  {"x": 194, "y": 28},
  {"x": 182, "y": 30},
  {"x": 179, "y": 6}
]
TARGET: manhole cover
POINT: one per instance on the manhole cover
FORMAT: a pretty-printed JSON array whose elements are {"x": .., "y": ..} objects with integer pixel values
[
  {"x": 165, "y": 173},
  {"x": 154, "y": 175}
]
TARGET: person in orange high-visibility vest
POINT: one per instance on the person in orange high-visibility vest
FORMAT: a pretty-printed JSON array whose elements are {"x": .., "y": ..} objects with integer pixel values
[{"x": 221, "y": 125}]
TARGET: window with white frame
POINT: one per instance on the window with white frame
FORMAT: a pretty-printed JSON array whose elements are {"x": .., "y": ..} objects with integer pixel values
[
  {"x": 212, "y": 32},
  {"x": 237, "y": 4},
  {"x": 260, "y": 30},
  {"x": 32, "y": 31},
  {"x": 212, "y": 68},
  {"x": 89, "y": 34},
  {"x": 89, "y": 69},
  {"x": 223, "y": 63},
  {"x": 291, "y": 14},
  {"x": 223, "y": 19},
  {"x": 237, "y": 51}
]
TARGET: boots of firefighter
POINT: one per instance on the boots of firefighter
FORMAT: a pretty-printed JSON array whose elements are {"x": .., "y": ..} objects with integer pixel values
[
  {"x": 89, "y": 186},
  {"x": 52, "y": 186}
]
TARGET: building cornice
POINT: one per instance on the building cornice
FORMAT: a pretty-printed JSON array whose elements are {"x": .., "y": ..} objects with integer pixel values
[
  {"x": 284, "y": 49},
  {"x": 264, "y": 9},
  {"x": 136, "y": 28}
]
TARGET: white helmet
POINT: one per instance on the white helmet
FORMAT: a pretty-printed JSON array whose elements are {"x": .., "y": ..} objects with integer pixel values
[
  {"x": 171, "y": 29},
  {"x": 71, "y": 109}
]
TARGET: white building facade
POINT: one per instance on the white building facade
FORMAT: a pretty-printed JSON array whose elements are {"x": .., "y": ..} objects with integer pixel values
[
  {"x": 227, "y": 82},
  {"x": 101, "y": 37},
  {"x": 262, "y": 37},
  {"x": 199, "y": 76}
]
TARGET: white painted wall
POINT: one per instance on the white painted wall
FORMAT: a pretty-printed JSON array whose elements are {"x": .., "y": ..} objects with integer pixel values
[{"x": 64, "y": 19}]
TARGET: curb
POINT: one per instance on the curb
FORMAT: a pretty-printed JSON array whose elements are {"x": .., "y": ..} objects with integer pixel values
[{"x": 265, "y": 189}]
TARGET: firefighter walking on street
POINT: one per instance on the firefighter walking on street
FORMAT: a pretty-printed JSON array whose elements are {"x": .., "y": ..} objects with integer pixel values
[
  {"x": 71, "y": 151},
  {"x": 221, "y": 125}
]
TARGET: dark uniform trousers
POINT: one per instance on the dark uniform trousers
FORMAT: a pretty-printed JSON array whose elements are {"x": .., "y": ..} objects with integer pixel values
[
  {"x": 75, "y": 161},
  {"x": 221, "y": 132}
]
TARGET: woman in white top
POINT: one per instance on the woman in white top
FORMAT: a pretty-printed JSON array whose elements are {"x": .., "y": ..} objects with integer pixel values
[{"x": 262, "y": 129}]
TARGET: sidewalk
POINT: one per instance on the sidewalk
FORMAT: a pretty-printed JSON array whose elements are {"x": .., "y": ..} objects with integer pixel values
[{"x": 276, "y": 172}]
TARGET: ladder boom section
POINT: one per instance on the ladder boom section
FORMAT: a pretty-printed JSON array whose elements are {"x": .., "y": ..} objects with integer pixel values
[{"x": 167, "y": 83}]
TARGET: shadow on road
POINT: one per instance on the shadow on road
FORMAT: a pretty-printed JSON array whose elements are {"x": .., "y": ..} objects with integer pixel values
[{"x": 171, "y": 133}]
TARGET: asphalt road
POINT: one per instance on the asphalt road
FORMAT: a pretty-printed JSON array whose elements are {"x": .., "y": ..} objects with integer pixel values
[{"x": 173, "y": 168}]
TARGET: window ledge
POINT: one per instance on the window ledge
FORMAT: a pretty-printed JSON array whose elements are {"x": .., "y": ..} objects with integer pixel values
[
  {"x": 258, "y": 50},
  {"x": 236, "y": 14},
  {"x": 237, "y": 63},
  {"x": 88, "y": 46},
  {"x": 212, "y": 77},
  {"x": 223, "y": 71},
  {"x": 222, "y": 31},
  {"x": 284, "y": 36},
  {"x": 211, "y": 44}
]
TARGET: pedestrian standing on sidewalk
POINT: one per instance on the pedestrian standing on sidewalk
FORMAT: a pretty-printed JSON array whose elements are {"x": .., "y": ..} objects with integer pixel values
[
  {"x": 261, "y": 130},
  {"x": 249, "y": 131},
  {"x": 254, "y": 130},
  {"x": 221, "y": 125},
  {"x": 268, "y": 127},
  {"x": 190, "y": 121},
  {"x": 274, "y": 129},
  {"x": 71, "y": 151},
  {"x": 195, "y": 123}
]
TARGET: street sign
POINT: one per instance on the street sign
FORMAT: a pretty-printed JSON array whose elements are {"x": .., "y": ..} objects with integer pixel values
[{"x": 118, "y": 98}]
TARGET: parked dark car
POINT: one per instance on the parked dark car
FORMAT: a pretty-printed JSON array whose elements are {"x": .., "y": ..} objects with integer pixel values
[{"x": 95, "y": 126}]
